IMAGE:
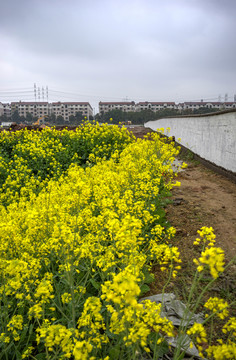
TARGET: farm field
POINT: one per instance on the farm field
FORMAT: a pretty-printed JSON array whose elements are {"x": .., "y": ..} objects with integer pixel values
[{"x": 87, "y": 229}]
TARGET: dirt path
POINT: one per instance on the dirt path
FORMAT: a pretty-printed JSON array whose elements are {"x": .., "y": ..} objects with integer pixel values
[{"x": 204, "y": 199}]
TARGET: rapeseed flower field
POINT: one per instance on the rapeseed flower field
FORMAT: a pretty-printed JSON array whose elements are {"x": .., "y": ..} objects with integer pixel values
[{"x": 82, "y": 222}]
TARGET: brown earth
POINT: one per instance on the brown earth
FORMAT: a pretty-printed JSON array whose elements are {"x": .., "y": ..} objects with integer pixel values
[{"x": 204, "y": 198}]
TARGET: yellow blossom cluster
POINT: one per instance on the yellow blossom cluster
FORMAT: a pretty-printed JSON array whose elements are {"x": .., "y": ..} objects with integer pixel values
[
  {"x": 56, "y": 336},
  {"x": 230, "y": 327},
  {"x": 217, "y": 306},
  {"x": 207, "y": 236},
  {"x": 222, "y": 351},
  {"x": 15, "y": 325},
  {"x": 225, "y": 350},
  {"x": 211, "y": 256},
  {"x": 132, "y": 320},
  {"x": 199, "y": 332}
]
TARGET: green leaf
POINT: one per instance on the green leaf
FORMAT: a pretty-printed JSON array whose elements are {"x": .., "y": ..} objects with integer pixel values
[
  {"x": 162, "y": 348},
  {"x": 114, "y": 352},
  {"x": 40, "y": 356},
  {"x": 148, "y": 276},
  {"x": 110, "y": 334},
  {"x": 23, "y": 333},
  {"x": 144, "y": 289},
  {"x": 95, "y": 284},
  {"x": 18, "y": 354}
]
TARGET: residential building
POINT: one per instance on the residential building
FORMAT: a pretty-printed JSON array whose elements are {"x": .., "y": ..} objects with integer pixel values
[
  {"x": 36, "y": 109},
  {"x": 154, "y": 106},
  {"x": 66, "y": 109},
  {"x": 1, "y": 109},
  {"x": 230, "y": 105},
  {"x": 104, "y": 107},
  {"x": 125, "y": 106},
  {"x": 216, "y": 105},
  {"x": 40, "y": 109},
  {"x": 200, "y": 104},
  {"x": 7, "y": 110}
]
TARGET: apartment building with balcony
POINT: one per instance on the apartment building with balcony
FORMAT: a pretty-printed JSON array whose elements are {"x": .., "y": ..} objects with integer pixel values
[
  {"x": 66, "y": 109},
  {"x": 125, "y": 106},
  {"x": 36, "y": 109},
  {"x": 1, "y": 109},
  {"x": 105, "y": 107},
  {"x": 7, "y": 109},
  {"x": 210, "y": 105},
  {"x": 154, "y": 106}
]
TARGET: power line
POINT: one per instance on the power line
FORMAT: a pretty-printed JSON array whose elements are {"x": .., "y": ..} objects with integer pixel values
[
  {"x": 30, "y": 93},
  {"x": 15, "y": 90}
]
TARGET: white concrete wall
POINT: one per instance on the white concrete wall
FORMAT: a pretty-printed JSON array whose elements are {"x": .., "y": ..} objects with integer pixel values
[{"x": 211, "y": 137}]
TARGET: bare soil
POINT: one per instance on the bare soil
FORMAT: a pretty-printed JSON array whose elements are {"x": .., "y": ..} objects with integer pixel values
[{"x": 204, "y": 199}]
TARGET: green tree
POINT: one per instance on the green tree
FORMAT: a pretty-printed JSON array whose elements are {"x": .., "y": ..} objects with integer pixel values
[
  {"x": 4, "y": 118},
  {"x": 60, "y": 120},
  {"x": 117, "y": 116},
  {"x": 52, "y": 118},
  {"x": 16, "y": 117},
  {"x": 78, "y": 117},
  {"x": 72, "y": 119},
  {"x": 29, "y": 117}
]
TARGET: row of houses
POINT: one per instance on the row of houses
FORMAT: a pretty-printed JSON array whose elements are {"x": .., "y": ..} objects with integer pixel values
[
  {"x": 105, "y": 107},
  {"x": 41, "y": 109},
  {"x": 66, "y": 109}
]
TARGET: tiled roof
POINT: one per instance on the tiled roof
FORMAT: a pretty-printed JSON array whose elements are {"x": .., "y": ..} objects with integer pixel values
[
  {"x": 117, "y": 103},
  {"x": 202, "y": 102},
  {"x": 156, "y": 103},
  {"x": 70, "y": 103},
  {"x": 29, "y": 103}
]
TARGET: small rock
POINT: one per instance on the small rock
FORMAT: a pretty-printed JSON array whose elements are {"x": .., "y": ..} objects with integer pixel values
[{"x": 178, "y": 201}]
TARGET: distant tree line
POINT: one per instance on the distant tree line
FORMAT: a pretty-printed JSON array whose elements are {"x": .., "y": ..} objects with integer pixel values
[
  {"x": 141, "y": 117},
  {"x": 50, "y": 119}
]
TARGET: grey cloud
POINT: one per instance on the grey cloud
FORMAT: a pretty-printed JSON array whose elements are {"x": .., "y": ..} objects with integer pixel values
[{"x": 152, "y": 47}]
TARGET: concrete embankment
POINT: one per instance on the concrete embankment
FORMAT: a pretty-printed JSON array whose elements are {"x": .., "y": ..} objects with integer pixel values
[{"x": 210, "y": 136}]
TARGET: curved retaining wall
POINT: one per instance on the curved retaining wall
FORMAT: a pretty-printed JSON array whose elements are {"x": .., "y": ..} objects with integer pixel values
[{"x": 212, "y": 137}]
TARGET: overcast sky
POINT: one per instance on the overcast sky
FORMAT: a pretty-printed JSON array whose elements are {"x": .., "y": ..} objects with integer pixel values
[{"x": 110, "y": 50}]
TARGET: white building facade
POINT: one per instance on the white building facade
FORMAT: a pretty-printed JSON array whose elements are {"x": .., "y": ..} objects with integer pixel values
[
  {"x": 154, "y": 106},
  {"x": 1, "y": 109},
  {"x": 43, "y": 109},
  {"x": 105, "y": 107},
  {"x": 67, "y": 109},
  {"x": 36, "y": 109},
  {"x": 7, "y": 109}
]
